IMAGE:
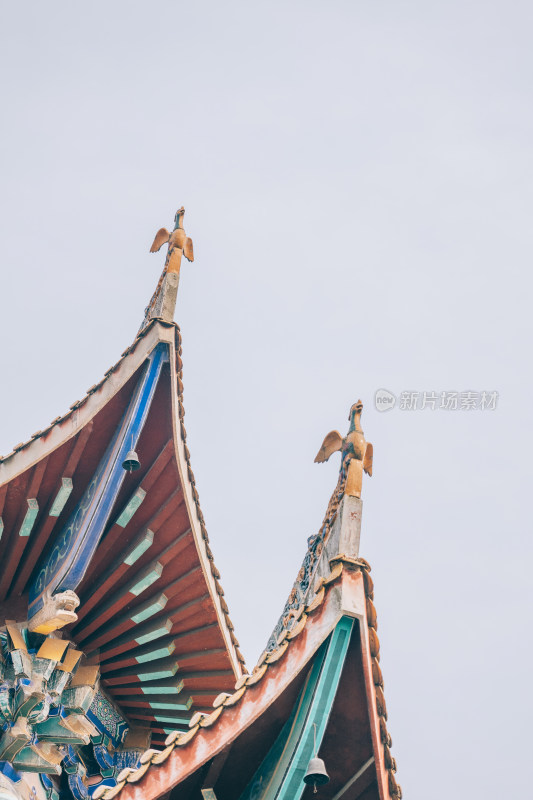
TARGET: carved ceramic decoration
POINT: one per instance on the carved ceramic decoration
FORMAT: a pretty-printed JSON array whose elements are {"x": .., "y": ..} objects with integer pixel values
[
  {"x": 357, "y": 453},
  {"x": 107, "y": 719},
  {"x": 44, "y": 697},
  {"x": 53, "y": 716},
  {"x": 178, "y": 243},
  {"x": 305, "y": 577},
  {"x": 57, "y": 611}
]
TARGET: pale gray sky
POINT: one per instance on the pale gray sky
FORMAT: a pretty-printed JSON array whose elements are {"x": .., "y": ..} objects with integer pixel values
[{"x": 358, "y": 185}]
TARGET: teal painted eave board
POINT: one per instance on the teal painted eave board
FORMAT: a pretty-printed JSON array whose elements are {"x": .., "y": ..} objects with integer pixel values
[
  {"x": 293, "y": 786},
  {"x": 273, "y": 767},
  {"x": 280, "y": 775}
]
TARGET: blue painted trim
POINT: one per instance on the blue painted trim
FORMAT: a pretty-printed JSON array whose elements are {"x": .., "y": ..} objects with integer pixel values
[
  {"x": 77, "y": 787},
  {"x": 104, "y": 760},
  {"x": 111, "y": 782},
  {"x": 48, "y": 786},
  {"x": 74, "y": 547}
]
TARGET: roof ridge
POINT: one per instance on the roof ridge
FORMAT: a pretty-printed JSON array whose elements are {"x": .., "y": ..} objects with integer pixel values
[{"x": 315, "y": 545}]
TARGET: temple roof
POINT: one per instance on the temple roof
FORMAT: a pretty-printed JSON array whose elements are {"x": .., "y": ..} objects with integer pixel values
[
  {"x": 101, "y": 509},
  {"x": 152, "y": 609}
]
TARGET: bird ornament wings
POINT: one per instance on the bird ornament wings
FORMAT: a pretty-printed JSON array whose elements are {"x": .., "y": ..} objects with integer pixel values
[
  {"x": 187, "y": 249},
  {"x": 330, "y": 445},
  {"x": 162, "y": 236},
  {"x": 369, "y": 456}
]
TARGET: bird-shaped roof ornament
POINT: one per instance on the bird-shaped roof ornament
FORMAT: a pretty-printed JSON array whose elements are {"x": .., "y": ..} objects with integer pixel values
[
  {"x": 163, "y": 301},
  {"x": 356, "y": 452},
  {"x": 178, "y": 243}
]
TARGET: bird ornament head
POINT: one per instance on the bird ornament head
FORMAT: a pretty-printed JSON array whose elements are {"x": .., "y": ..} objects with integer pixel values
[
  {"x": 357, "y": 408},
  {"x": 178, "y": 217}
]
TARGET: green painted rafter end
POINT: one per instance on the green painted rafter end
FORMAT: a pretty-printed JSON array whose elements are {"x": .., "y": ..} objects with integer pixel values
[
  {"x": 30, "y": 517},
  {"x": 139, "y": 548},
  {"x": 153, "y": 655},
  {"x": 148, "y": 611},
  {"x": 176, "y": 689},
  {"x": 61, "y": 497},
  {"x": 130, "y": 509}
]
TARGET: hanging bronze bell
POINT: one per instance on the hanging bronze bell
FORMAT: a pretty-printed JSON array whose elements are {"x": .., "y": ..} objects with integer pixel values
[
  {"x": 316, "y": 774},
  {"x": 131, "y": 462}
]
